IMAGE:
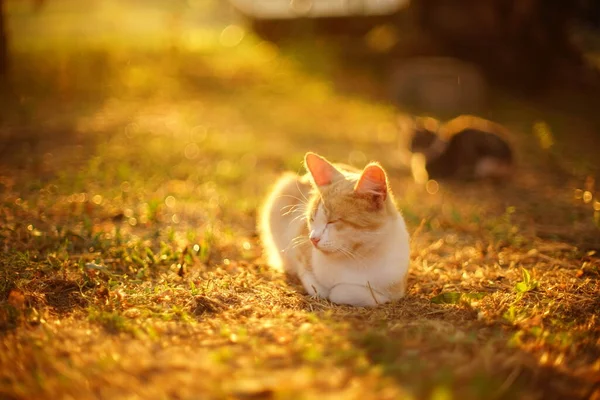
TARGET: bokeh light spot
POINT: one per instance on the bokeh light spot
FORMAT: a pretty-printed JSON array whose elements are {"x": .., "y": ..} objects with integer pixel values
[
  {"x": 131, "y": 129},
  {"x": 224, "y": 167},
  {"x": 198, "y": 133},
  {"x": 451, "y": 238},
  {"x": 301, "y": 6},
  {"x": 214, "y": 202},
  {"x": 170, "y": 201},
  {"x": 432, "y": 186},
  {"x": 418, "y": 170},
  {"x": 231, "y": 36},
  {"x": 267, "y": 50},
  {"x": 125, "y": 186},
  {"x": 199, "y": 39},
  {"x": 382, "y": 38},
  {"x": 192, "y": 151},
  {"x": 587, "y": 196},
  {"x": 542, "y": 131},
  {"x": 97, "y": 199}
]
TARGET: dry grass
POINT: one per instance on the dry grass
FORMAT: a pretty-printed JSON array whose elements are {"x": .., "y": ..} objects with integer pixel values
[{"x": 130, "y": 266}]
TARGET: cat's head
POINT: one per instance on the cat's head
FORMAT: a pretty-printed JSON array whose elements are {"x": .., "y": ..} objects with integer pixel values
[
  {"x": 424, "y": 133},
  {"x": 349, "y": 212},
  {"x": 426, "y": 139}
]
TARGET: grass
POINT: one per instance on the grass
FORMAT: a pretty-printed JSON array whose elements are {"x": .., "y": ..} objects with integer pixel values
[{"x": 130, "y": 265}]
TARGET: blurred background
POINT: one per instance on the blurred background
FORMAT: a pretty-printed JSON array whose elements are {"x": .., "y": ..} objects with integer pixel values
[
  {"x": 268, "y": 80},
  {"x": 440, "y": 57}
]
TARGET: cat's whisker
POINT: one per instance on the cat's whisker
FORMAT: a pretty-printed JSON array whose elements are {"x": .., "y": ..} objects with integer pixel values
[
  {"x": 353, "y": 254},
  {"x": 289, "y": 207},
  {"x": 298, "y": 238},
  {"x": 299, "y": 243},
  {"x": 300, "y": 217},
  {"x": 293, "y": 208},
  {"x": 356, "y": 257},
  {"x": 295, "y": 242},
  {"x": 298, "y": 187},
  {"x": 300, "y": 207},
  {"x": 346, "y": 252},
  {"x": 372, "y": 233},
  {"x": 306, "y": 200},
  {"x": 303, "y": 201}
]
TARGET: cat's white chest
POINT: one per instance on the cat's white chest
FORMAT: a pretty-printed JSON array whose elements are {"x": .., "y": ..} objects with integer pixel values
[
  {"x": 330, "y": 272},
  {"x": 381, "y": 269}
]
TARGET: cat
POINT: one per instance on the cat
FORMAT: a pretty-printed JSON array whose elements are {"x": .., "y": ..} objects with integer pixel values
[
  {"x": 465, "y": 147},
  {"x": 338, "y": 230}
]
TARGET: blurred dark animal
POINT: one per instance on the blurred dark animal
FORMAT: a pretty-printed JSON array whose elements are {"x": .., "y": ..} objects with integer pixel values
[{"x": 466, "y": 147}]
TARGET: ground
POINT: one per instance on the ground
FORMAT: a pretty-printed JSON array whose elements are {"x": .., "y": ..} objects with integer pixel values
[{"x": 130, "y": 178}]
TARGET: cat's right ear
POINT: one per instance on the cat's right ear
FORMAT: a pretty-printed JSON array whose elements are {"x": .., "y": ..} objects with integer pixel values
[{"x": 322, "y": 171}]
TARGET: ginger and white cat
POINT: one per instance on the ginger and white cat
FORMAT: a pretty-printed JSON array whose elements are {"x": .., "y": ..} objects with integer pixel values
[{"x": 339, "y": 231}]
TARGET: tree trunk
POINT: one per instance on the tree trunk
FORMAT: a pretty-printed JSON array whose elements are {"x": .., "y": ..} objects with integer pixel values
[{"x": 3, "y": 43}]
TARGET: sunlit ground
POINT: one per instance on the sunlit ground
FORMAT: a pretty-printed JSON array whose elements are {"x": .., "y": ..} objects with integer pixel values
[{"x": 137, "y": 144}]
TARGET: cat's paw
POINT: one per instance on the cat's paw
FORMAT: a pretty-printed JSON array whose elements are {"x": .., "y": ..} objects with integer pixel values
[
  {"x": 312, "y": 287},
  {"x": 317, "y": 291},
  {"x": 356, "y": 295}
]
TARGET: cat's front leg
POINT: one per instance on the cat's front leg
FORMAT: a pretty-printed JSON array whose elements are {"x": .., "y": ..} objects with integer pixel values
[
  {"x": 356, "y": 295},
  {"x": 312, "y": 287}
]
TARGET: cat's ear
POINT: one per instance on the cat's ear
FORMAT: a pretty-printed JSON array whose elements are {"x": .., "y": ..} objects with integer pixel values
[
  {"x": 322, "y": 171},
  {"x": 373, "y": 181}
]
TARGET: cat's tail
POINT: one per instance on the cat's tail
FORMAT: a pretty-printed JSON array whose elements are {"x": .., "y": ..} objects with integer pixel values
[{"x": 281, "y": 219}]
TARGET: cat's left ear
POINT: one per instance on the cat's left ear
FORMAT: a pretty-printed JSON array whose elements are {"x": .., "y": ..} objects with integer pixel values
[
  {"x": 322, "y": 171},
  {"x": 373, "y": 180}
]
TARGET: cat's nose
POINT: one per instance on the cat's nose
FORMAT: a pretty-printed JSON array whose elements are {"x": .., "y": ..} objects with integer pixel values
[{"x": 315, "y": 241}]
